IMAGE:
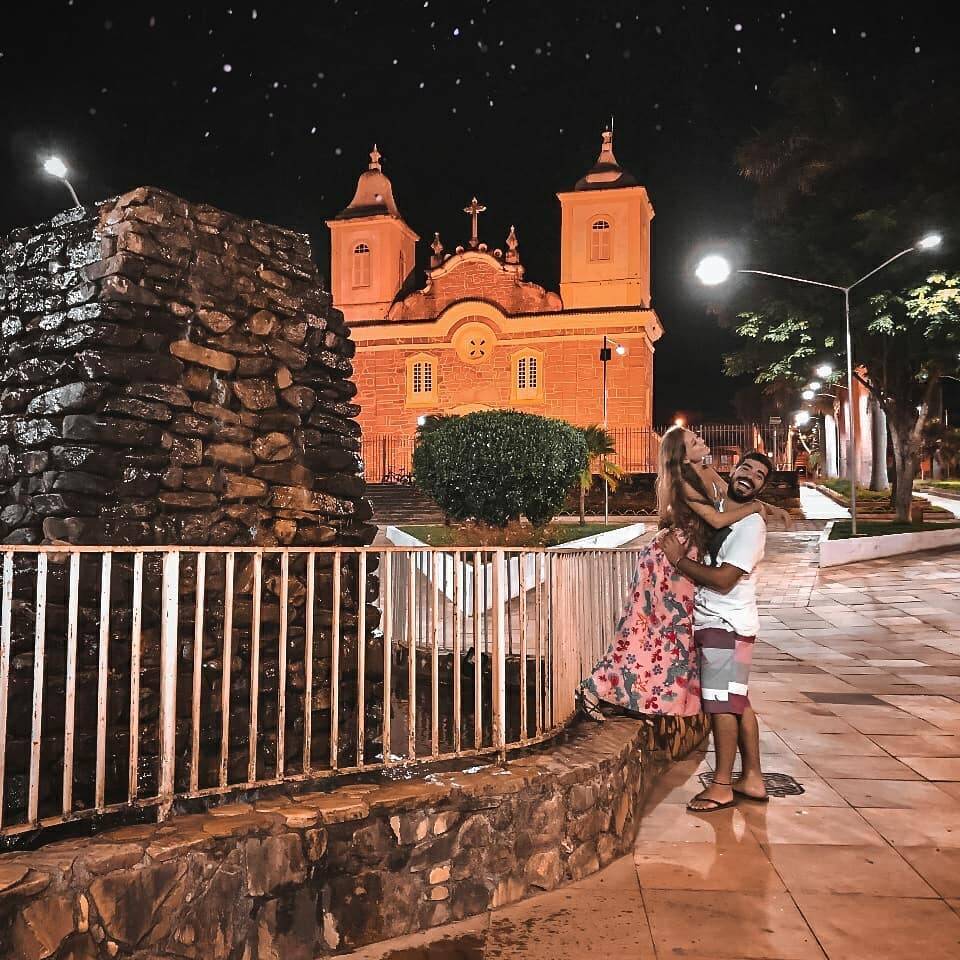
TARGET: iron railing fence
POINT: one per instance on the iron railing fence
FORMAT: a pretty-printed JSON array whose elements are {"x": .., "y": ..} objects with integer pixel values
[
  {"x": 137, "y": 677},
  {"x": 388, "y": 458}
]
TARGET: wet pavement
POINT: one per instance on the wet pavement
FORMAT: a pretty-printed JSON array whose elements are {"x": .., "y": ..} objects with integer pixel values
[{"x": 857, "y": 682}]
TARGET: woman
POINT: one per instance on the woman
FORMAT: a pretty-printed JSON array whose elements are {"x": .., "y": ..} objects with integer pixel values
[{"x": 651, "y": 666}]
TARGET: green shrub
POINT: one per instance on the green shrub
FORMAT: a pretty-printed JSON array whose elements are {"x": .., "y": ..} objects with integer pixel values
[{"x": 498, "y": 465}]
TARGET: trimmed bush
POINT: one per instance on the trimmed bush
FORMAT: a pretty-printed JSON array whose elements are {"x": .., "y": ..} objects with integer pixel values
[{"x": 497, "y": 466}]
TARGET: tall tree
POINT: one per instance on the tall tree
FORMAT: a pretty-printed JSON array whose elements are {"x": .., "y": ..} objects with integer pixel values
[{"x": 846, "y": 178}]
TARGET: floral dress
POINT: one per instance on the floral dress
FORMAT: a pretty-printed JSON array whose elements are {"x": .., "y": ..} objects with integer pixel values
[{"x": 651, "y": 666}]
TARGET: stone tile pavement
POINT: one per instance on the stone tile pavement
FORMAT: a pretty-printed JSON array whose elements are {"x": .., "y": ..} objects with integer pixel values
[{"x": 857, "y": 681}]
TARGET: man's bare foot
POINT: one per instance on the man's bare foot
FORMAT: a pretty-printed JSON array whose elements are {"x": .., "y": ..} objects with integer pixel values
[
  {"x": 750, "y": 785},
  {"x": 715, "y": 797}
]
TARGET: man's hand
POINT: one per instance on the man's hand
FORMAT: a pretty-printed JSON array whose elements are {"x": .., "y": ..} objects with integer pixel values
[
  {"x": 770, "y": 512},
  {"x": 672, "y": 548}
]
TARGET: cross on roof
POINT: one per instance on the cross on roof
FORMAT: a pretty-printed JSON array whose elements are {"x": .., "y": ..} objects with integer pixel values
[{"x": 474, "y": 210}]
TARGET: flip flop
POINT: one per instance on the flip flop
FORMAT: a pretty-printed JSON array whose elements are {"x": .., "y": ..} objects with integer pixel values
[
  {"x": 747, "y": 796},
  {"x": 717, "y": 805}
]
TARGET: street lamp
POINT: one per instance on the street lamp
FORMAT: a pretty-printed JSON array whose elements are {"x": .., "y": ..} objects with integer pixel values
[
  {"x": 55, "y": 167},
  {"x": 714, "y": 269},
  {"x": 824, "y": 370},
  {"x": 605, "y": 354},
  {"x": 808, "y": 394}
]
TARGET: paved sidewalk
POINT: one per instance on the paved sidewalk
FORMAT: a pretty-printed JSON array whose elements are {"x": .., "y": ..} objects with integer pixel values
[{"x": 857, "y": 681}]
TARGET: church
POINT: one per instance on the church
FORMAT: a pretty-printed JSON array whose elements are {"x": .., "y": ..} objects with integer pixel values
[{"x": 476, "y": 334}]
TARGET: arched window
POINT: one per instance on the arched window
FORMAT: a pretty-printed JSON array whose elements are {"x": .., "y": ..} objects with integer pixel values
[
  {"x": 527, "y": 375},
  {"x": 600, "y": 233},
  {"x": 422, "y": 380},
  {"x": 361, "y": 265}
]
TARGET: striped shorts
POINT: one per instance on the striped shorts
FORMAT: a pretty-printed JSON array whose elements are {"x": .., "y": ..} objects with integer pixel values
[{"x": 725, "y": 659}]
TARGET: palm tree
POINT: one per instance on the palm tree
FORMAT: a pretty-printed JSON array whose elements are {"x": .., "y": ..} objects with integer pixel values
[{"x": 600, "y": 446}]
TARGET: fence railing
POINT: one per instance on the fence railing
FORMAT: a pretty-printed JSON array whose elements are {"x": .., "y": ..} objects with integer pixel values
[
  {"x": 137, "y": 677},
  {"x": 388, "y": 458}
]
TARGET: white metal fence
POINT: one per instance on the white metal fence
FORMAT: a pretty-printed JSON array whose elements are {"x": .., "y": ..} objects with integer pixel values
[{"x": 134, "y": 677}]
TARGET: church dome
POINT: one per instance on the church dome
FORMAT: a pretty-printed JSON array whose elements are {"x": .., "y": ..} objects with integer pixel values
[
  {"x": 606, "y": 173},
  {"x": 374, "y": 196}
]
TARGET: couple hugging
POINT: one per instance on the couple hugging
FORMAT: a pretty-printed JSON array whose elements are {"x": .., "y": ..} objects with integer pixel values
[{"x": 684, "y": 642}]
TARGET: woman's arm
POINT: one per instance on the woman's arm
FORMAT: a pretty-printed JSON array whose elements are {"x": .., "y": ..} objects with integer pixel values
[{"x": 713, "y": 517}]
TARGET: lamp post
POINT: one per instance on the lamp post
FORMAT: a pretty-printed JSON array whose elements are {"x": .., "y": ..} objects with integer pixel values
[
  {"x": 55, "y": 167},
  {"x": 713, "y": 270},
  {"x": 605, "y": 354}
]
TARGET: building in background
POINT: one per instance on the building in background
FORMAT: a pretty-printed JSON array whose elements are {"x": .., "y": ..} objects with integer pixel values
[{"x": 475, "y": 334}]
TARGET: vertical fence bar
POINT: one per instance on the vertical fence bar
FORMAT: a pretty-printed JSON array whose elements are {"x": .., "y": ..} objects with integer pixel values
[
  {"x": 435, "y": 655},
  {"x": 6, "y": 611},
  {"x": 361, "y": 655},
  {"x": 70, "y": 693},
  {"x": 254, "y": 732},
  {"x": 199, "y": 596},
  {"x": 522, "y": 607},
  {"x": 478, "y": 615},
  {"x": 37, "y": 719},
  {"x": 136, "y": 627},
  {"x": 102, "y": 671},
  {"x": 282, "y": 664},
  {"x": 498, "y": 655},
  {"x": 457, "y": 622},
  {"x": 308, "y": 665},
  {"x": 386, "y": 574},
  {"x": 103, "y": 667},
  {"x": 229, "y": 566},
  {"x": 335, "y": 666},
  {"x": 412, "y": 659},
  {"x": 168, "y": 679},
  {"x": 538, "y": 575}
]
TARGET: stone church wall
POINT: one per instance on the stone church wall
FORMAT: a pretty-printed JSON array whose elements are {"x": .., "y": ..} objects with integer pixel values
[{"x": 572, "y": 375}]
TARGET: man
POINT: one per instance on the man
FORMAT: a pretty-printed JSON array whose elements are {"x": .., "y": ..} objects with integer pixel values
[{"x": 725, "y": 628}]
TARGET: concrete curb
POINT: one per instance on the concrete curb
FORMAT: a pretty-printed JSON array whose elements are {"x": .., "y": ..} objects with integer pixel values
[{"x": 837, "y": 553}]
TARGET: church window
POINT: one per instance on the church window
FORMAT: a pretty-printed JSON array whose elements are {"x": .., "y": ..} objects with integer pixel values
[
  {"x": 422, "y": 380},
  {"x": 528, "y": 375},
  {"x": 600, "y": 233},
  {"x": 361, "y": 265}
]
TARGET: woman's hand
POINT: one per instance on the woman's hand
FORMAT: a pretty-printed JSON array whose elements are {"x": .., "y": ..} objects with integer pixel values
[{"x": 672, "y": 549}]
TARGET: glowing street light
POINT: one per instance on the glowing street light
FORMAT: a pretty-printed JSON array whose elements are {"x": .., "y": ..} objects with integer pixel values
[
  {"x": 801, "y": 418},
  {"x": 55, "y": 167},
  {"x": 808, "y": 394},
  {"x": 678, "y": 422},
  {"x": 715, "y": 269},
  {"x": 814, "y": 385},
  {"x": 824, "y": 370}
]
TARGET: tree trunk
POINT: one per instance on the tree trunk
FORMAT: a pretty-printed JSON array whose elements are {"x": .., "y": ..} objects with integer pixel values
[
  {"x": 878, "y": 437},
  {"x": 906, "y": 456},
  {"x": 583, "y": 505}
]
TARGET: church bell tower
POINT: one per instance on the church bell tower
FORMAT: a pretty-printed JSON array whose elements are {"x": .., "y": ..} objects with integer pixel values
[
  {"x": 605, "y": 237},
  {"x": 372, "y": 249}
]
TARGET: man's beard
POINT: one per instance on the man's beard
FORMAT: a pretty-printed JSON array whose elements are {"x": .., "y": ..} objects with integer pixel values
[{"x": 739, "y": 497}]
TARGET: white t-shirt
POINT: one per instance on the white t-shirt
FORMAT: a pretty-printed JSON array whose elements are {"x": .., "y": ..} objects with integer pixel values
[{"x": 736, "y": 610}]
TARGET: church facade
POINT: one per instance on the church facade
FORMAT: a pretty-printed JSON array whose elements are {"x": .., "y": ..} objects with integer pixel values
[{"x": 477, "y": 334}]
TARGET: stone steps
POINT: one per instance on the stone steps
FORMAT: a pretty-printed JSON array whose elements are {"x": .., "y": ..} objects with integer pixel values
[{"x": 394, "y": 503}]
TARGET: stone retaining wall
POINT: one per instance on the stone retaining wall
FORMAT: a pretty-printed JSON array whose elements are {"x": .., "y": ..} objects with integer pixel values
[{"x": 301, "y": 876}]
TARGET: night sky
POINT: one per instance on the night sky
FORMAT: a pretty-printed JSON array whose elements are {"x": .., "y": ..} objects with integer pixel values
[{"x": 270, "y": 111}]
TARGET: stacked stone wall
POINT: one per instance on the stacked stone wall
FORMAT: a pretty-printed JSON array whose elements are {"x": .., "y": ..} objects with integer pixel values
[{"x": 172, "y": 373}]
